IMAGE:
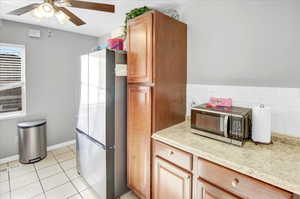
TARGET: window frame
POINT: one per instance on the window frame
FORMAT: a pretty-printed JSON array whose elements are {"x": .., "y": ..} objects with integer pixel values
[{"x": 23, "y": 112}]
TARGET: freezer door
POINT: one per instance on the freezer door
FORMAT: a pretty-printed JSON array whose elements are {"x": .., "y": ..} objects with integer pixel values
[
  {"x": 97, "y": 96},
  {"x": 91, "y": 158},
  {"x": 83, "y": 110}
]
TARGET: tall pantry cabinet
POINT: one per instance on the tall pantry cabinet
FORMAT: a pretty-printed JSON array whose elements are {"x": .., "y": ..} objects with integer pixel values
[{"x": 157, "y": 72}]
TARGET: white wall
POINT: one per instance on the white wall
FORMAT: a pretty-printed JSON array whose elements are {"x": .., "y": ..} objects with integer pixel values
[
  {"x": 243, "y": 42},
  {"x": 53, "y": 80},
  {"x": 102, "y": 40},
  {"x": 284, "y": 102}
]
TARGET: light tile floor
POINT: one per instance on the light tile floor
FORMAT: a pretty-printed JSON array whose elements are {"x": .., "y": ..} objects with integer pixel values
[{"x": 55, "y": 177}]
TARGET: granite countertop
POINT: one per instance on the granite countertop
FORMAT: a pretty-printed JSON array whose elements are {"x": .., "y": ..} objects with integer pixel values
[{"x": 277, "y": 164}]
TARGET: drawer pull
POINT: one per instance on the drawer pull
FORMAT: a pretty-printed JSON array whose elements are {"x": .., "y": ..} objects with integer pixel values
[
  {"x": 235, "y": 182},
  {"x": 170, "y": 153}
]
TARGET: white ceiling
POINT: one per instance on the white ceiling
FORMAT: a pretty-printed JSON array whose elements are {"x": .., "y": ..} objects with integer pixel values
[{"x": 98, "y": 23}]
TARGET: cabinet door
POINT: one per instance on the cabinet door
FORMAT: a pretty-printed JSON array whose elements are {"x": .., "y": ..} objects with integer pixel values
[
  {"x": 140, "y": 49},
  {"x": 139, "y": 139},
  {"x": 170, "y": 181},
  {"x": 209, "y": 191}
]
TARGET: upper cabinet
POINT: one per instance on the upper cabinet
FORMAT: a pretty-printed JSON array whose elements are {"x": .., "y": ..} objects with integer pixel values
[
  {"x": 156, "y": 90},
  {"x": 140, "y": 33}
]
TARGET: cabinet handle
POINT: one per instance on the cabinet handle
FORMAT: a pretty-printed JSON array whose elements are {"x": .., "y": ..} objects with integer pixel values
[
  {"x": 170, "y": 153},
  {"x": 235, "y": 182}
]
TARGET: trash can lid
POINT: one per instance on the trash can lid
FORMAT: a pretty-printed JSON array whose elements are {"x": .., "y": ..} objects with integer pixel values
[{"x": 31, "y": 124}]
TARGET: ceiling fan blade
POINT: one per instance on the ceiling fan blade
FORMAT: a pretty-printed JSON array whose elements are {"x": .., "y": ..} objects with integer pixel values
[
  {"x": 92, "y": 6},
  {"x": 24, "y": 9},
  {"x": 73, "y": 18}
]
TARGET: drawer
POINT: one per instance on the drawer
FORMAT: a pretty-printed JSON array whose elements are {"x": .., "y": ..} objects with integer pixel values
[
  {"x": 176, "y": 156},
  {"x": 239, "y": 184}
]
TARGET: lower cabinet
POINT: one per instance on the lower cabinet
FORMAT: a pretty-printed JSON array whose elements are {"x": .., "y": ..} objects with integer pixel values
[
  {"x": 139, "y": 140},
  {"x": 238, "y": 184},
  {"x": 180, "y": 175},
  {"x": 209, "y": 191},
  {"x": 170, "y": 181}
]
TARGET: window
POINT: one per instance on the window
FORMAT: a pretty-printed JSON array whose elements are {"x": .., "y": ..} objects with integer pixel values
[{"x": 12, "y": 81}]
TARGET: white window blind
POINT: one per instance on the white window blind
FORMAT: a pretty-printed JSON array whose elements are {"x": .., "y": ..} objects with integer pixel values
[
  {"x": 12, "y": 80},
  {"x": 10, "y": 68}
]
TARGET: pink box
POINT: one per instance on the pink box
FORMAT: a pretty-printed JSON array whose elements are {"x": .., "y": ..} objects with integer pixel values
[
  {"x": 226, "y": 102},
  {"x": 116, "y": 44}
]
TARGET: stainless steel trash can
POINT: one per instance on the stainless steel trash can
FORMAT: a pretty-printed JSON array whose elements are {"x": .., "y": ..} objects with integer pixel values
[{"x": 32, "y": 141}]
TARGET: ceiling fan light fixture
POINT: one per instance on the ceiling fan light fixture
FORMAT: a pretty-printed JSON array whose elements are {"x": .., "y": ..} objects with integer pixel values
[
  {"x": 46, "y": 9},
  {"x": 50, "y": 8},
  {"x": 62, "y": 17},
  {"x": 37, "y": 13}
]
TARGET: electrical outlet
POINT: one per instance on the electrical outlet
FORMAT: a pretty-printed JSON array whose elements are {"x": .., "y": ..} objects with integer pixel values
[{"x": 193, "y": 103}]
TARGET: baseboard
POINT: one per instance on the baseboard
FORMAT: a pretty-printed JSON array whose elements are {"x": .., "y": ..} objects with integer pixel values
[
  {"x": 61, "y": 145},
  {"x": 9, "y": 159},
  {"x": 49, "y": 148}
]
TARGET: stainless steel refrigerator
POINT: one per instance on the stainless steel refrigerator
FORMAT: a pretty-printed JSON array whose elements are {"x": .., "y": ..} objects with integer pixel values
[{"x": 101, "y": 124}]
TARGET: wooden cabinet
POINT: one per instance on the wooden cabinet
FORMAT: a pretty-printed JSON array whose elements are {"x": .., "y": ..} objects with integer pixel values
[
  {"x": 238, "y": 184},
  {"x": 209, "y": 191},
  {"x": 173, "y": 155},
  {"x": 170, "y": 181},
  {"x": 140, "y": 49},
  {"x": 156, "y": 89},
  {"x": 138, "y": 142},
  {"x": 174, "y": 178}
]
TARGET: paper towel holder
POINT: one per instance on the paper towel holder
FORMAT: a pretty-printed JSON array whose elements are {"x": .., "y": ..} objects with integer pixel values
[{"x": 261, "y": 133}]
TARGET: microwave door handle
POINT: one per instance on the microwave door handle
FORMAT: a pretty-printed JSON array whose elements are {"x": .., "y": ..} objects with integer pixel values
[{"x": 226, "y": 126}]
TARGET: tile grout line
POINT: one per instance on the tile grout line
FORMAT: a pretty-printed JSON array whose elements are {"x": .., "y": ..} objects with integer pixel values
[
  {"x": 53, "y": 158},
  {"x": 54, "y": 175},
  {"x": 55, "y": 187},
  {"x": 8, "y": 173},
  {"x": 20, "y": 176},
  {"x": 57, "y": 162},
  {"x": 71, "y": 149},
  {"x": 74, "y": 195},
  {"x": 40, "y": 181},
  {"x": 79, "y": 192},
  {"x": 35, "y": 171},
  {"x": 68, "y": 178}
]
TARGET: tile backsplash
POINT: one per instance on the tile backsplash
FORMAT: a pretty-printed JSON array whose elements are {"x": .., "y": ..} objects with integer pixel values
[{"x": 284, "y": 102}]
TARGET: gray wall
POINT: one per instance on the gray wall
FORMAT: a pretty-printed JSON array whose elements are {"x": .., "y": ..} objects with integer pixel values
[
  {"x": 53, "y": 80},
  {"x": 243, "y": 42},
  {"x": 103, "y": 39}
]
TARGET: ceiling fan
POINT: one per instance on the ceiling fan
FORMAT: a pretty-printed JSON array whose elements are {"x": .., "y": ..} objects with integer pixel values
[{"x": 49, "y": 8}]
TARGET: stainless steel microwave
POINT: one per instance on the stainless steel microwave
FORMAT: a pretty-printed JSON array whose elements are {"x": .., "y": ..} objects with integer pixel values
[{"x": 228, "y": 124}]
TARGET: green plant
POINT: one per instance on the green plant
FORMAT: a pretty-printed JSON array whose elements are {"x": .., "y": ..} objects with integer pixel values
[{"x": 132, "y": 14}]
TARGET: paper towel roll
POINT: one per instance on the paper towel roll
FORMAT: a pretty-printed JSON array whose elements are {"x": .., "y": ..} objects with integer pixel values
[{"x": 261, "y": 124}]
